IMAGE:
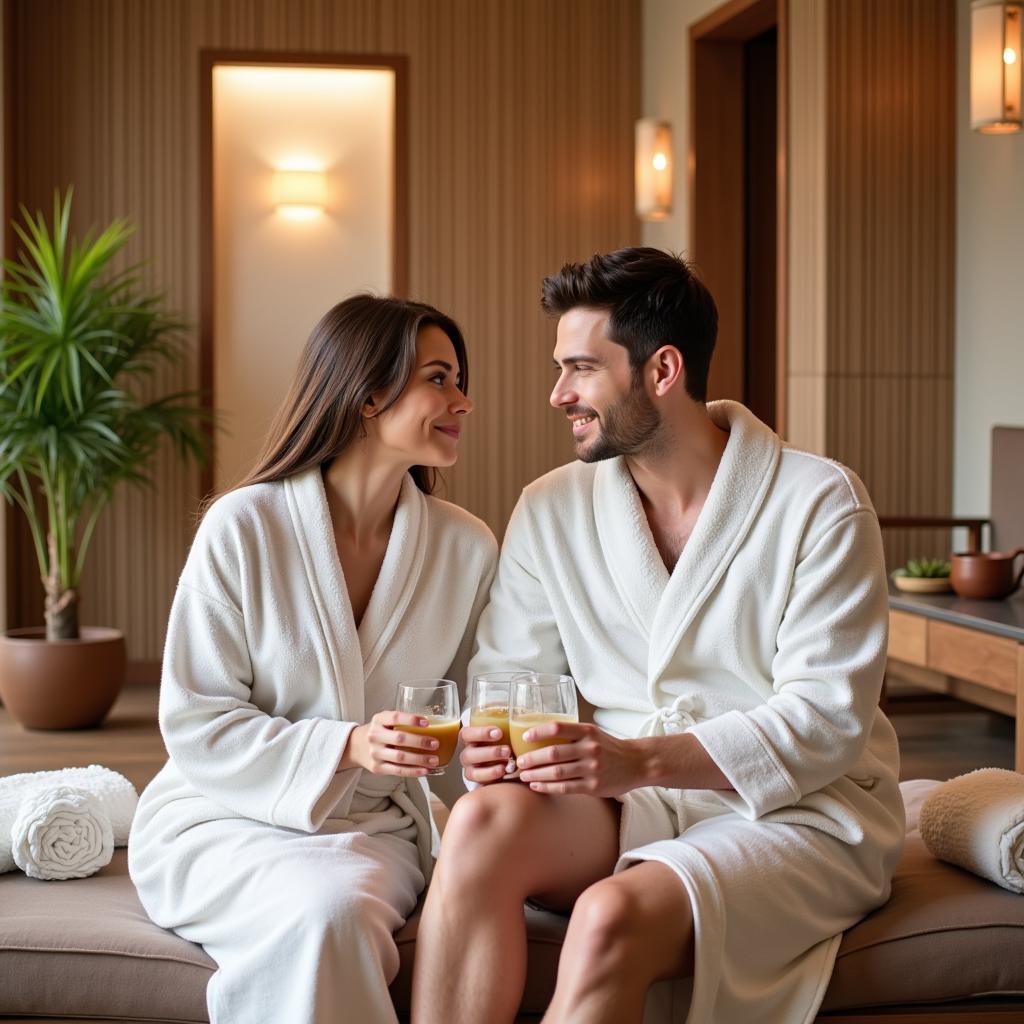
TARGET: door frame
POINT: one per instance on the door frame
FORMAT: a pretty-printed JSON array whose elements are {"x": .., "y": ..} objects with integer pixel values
[
  {"x": 208, "y": 60},
  {"x": 716, "y": 175}
]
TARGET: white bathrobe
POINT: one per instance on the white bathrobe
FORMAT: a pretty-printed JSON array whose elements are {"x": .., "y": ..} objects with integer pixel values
[
  {"x": 292, "y": 874},
  {"x": 767, "y": 641}
]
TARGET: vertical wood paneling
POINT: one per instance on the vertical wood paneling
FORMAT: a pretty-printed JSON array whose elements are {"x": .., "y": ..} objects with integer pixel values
[
  {"x": 521, "y": 119},
  {"x": 872, "y": 152},
  {"x": 805, "y": 276},
  {"x": 890, "y": 153}
]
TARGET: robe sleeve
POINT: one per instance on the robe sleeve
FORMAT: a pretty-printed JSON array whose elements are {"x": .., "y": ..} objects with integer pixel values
[
  {"x": 517, "y": 628},
  {"x": 460, "y": 664},
  {"x": 261, "y": 766},
  {"x": 827, "y": 676}
]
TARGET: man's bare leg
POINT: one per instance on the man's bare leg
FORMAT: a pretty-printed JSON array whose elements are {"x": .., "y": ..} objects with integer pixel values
[
  {"x": 626, "y": 932},
  {"x": 502, "y": 844}
]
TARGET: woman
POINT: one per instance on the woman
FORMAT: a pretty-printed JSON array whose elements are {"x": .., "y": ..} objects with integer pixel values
[{"x": 287, "y": 833}]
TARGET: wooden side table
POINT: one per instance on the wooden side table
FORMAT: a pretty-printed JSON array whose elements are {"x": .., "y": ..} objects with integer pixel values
[{"x": 970, "y": 649}]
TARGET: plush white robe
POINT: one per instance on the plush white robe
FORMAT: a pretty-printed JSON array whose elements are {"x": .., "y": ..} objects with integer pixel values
[
  {"x": 292, "y": 874},
  {"x": 767, "y": 641}
]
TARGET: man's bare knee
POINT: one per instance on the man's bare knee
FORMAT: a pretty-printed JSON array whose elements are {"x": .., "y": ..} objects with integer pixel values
[
  {"x": 621, "y": 925},
  {"x": 603, "y": 926}
]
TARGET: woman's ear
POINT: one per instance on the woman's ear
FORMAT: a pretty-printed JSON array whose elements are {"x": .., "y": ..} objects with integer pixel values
[{"x": 369, "y": 408}]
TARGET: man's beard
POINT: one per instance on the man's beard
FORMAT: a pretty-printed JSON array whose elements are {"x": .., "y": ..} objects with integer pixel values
[{"x": 626, "y": 428}]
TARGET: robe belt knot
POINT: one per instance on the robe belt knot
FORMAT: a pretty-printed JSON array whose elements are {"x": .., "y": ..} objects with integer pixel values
[{"x": 676, "y": 718}]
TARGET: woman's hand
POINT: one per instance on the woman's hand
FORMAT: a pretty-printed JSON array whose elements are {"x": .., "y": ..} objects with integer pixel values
[
  {"x": 592, "y": 762},
  {"x": 379, "y": 746},
  {"x": 482, "y": 759}
]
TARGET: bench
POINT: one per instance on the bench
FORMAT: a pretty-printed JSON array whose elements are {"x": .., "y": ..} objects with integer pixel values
[{"x": 947, "y": 947}]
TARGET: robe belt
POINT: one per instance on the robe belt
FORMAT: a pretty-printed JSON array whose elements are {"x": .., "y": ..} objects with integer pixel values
[{"x": 669, "y": 721}]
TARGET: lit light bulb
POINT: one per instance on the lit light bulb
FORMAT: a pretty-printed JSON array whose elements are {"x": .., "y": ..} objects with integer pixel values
[
  {"x": 1009, "y": 56},
  {"x": 659, "y": 161}
]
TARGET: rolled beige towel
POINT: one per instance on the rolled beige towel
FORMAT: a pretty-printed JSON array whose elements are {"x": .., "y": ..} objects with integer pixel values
[
  {"x": 62, "y": 833},
  {"x": 976, "y": 821}
]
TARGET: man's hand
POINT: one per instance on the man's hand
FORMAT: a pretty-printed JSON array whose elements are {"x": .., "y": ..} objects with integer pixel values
[
  {"x": 377, "y": 746},
  {"x": 482, "y": 758},
  {"x": 592, "y": 762}
]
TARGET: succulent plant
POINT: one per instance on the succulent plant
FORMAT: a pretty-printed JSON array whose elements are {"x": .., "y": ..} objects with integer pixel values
[{"x": 924, "y": 568}]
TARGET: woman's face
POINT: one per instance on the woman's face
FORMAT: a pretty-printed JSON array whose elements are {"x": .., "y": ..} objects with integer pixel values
[{"x": 423, "y": 426}]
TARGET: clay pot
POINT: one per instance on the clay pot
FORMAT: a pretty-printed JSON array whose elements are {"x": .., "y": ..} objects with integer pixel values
[
  {"x": 990, "y": 575},
  {"x": 61, "y": 684}
]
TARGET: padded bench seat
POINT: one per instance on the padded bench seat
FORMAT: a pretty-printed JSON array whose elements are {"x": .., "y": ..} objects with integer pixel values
[{"x": 86, "y": 949}]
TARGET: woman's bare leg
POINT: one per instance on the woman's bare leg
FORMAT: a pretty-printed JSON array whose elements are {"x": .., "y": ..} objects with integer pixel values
[
  {"x": 502, "y": 844},
  {"x": 626, "y": 932}
]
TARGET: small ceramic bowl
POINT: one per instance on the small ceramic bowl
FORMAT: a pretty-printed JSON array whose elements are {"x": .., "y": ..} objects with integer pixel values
[{"x": 922, "y": 584}]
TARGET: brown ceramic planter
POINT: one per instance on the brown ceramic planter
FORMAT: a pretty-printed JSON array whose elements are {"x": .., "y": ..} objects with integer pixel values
[{"x": 61, "y": 684}]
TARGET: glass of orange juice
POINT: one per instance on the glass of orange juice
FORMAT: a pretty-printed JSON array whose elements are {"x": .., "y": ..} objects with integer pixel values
[
  {"x": 489, "y": 699},
  {"x": 436, "y": 700},
  {"x": 536, "y": 698}
]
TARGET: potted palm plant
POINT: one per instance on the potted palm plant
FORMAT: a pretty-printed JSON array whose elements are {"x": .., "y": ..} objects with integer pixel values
[{"x": 77, "y": 342}]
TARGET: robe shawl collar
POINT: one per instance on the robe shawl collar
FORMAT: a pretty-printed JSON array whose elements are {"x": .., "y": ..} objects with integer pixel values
[
  {"x": 355, "y": 653},
  {"x": 664, "y": 605}
]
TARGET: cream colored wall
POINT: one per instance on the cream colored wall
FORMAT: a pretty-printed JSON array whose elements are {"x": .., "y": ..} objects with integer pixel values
[
  {"x": 666, "y": 78},
  {"x": 275, "y": 276},
  {"x": 989, "y": 382}
]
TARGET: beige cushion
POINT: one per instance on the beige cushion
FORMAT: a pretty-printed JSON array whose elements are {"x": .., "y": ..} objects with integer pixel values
[
  {"x": 87, "y": 948},
  {"x": 944, "y": 934}
]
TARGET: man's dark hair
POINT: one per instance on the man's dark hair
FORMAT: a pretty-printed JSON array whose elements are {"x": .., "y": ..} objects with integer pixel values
[{"x": 653, "y": 298}]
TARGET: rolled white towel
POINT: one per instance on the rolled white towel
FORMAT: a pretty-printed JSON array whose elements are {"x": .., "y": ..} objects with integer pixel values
[
  {"x": 62, "y": 833},
  {"x": 116, "y": 794},
  {"x": 976, "y": 821}
]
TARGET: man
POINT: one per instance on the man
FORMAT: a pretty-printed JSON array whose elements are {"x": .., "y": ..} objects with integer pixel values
[{"x": 720, "y": 600}]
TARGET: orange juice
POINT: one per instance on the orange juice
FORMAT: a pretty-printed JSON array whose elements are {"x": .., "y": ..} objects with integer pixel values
[
  {"x": 492, "y": 717},
  {"x": 523, "y": 723},
  {"x": 445, "y": 731}
]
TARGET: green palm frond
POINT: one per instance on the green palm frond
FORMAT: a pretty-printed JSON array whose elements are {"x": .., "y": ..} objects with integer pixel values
[{"x": 77, "y": 339}]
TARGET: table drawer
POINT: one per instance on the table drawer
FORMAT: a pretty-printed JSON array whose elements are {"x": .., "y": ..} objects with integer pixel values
[
  {"x": 968, "y": 654},
  {"x": 908, "y": 638}
]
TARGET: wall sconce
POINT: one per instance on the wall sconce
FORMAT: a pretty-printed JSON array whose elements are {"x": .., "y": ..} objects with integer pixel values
[
  {"x": 996, "y": 66},
  {"x": 653, "y": 176},
  {"x": 300, "y": 195}
]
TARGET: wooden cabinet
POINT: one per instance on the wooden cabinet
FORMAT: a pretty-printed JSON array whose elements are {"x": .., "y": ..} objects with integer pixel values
[
  {"x": 967, "y": 654},
  {"x": 971, "y": 664},
  {"x": 908, "y": 638}
]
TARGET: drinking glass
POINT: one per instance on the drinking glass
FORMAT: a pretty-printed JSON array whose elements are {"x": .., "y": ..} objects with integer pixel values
[
  {"x": 436, "y": 700},
  {"x": 536, "y": 698},
  {"x": 489, "y": 697},
  {"x": 488, "y": 701}
]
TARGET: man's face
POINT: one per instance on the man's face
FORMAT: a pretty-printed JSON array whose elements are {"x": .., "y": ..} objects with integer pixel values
[{"x": 609, "y": 412}]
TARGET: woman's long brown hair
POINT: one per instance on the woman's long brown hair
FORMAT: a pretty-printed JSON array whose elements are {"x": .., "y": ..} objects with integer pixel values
[{"x": 362, "y": 347}]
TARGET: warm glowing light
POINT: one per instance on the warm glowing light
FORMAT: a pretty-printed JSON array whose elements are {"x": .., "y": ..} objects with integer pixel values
[
  {"x": 995, "y": 69},
  {"x": 300, "y": 194},
  {"x": 295, "y": 212},
  {"x": 653, "y": 169}
]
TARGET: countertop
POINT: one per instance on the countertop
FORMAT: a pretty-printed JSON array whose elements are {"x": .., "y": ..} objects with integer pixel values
[{"x": 1004, "y": 617}]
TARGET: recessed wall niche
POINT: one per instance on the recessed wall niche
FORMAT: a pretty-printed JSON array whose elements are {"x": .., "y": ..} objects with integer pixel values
[{"x": 303, "y": 183}]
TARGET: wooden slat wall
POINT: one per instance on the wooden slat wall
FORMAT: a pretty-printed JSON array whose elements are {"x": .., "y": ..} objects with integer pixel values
[
  {"x": 805, "y": 274},
  {"x": 521, "y": 129},
  {"x": 879, "y": 377}
]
